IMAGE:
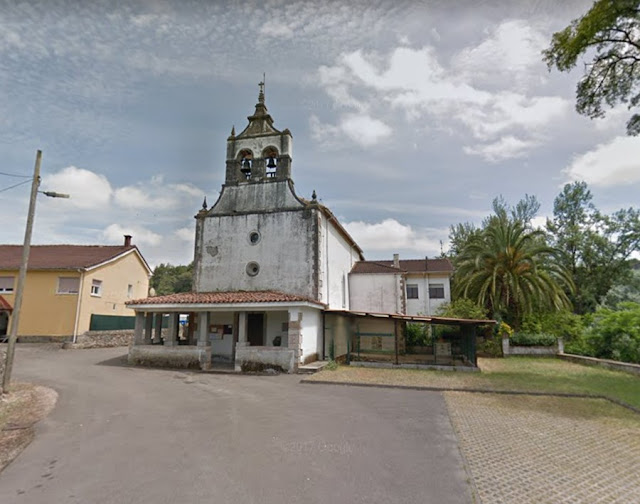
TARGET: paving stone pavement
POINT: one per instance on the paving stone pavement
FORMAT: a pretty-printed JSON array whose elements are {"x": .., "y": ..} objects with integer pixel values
[{"x": 525, "y": 449}]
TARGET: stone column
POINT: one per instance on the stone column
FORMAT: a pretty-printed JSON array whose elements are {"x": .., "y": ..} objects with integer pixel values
[
  {"x": 157, "y": 335},
  {"x": 505, "y": 347},
  {"x": 203, "y": 329},
  {"x": 172, "y": 332},
  {"x": 294, "y": 335},
  {"x": 148, "y": 328},
  {"x": 138, "y": 332},
  {"x": 242, "y": 329},
  {"x": 560, "y": 345}
]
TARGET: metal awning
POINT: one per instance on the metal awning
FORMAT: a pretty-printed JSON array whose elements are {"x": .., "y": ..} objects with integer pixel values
[{"x": 413, "y": 318}]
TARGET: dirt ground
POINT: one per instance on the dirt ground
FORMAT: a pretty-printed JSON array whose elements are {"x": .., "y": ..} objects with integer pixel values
[{"x": 20, "y": 410}]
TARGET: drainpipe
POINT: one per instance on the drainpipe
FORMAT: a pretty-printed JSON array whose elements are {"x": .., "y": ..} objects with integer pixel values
[{"x": 78, "y": 306}]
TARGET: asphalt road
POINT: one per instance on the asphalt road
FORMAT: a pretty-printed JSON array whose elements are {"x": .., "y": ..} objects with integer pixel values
[{"x": 132, "y": 435}]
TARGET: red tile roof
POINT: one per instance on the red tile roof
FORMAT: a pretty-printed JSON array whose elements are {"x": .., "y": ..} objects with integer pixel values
[
  {"x": 406, "y": 266},
  {"x": 60, "y": 257},
  {"x": 224, "y": 298},
  {"x": 4, "y": 305}
]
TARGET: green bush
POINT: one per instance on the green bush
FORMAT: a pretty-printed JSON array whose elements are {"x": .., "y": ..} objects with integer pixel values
[
  {"x": 417, "y": 335},
  {"x": 491, "y": 346},
  {"x": 532, "y": 339},
  {"x": 615, "y": 334},
  {"x": 562, "y": 324},
  {"x": 463, "y": 309}
]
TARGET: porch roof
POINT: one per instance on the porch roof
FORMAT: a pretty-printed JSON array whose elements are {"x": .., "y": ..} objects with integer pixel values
[
  {"x": 229, "y": 299},
  {"x": 5, "y": 305},
  {"x": 413, "y": 318}
]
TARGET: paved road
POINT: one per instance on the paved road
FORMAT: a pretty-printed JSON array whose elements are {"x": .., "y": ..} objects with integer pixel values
[{"x": 131, "y": 435}]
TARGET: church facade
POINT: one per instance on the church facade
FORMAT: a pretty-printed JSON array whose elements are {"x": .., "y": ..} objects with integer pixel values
[{"x": 269, "y": 265}]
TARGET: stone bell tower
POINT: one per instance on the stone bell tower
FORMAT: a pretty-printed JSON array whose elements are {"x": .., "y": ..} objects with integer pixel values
[{"x": 261, "y": 153}]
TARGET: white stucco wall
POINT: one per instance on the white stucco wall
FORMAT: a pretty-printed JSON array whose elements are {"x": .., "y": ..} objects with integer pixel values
[
  {"x": 285, "y": 253},
  {"x": 337, "y": 257},
  {"x": 274, "y": 321},
  {"x": 423, "y": 305},
  {"x": 221, "y": 347},
  {"x": 375, "y": 292},
  {"x": 311, "y": 333}
]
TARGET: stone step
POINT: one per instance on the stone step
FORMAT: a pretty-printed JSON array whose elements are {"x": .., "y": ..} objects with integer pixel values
[{"x": 312, "y": 367}]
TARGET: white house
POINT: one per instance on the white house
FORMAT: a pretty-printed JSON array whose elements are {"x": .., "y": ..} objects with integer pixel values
[{"x": 268, "y": 266}]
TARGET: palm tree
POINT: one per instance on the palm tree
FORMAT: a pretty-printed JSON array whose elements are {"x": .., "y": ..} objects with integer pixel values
[{"x": 509, "y": 269}]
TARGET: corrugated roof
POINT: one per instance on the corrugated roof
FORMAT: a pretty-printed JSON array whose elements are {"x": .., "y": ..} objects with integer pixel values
[
  {"x": 60, "y": 257},
  {"x": 406, "y": 266},
  {"x": 224, "y": 298}
]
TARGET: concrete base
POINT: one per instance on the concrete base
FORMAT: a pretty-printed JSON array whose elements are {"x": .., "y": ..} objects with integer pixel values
[
  {"x": 259, "y": 358},
  {"x": 437, "y": 367},
  {"x": 190, "y": 357}
]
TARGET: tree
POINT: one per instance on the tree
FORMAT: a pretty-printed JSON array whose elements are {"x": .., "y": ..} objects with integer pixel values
[
  {"x": 168, "y": 279},
  {"x": 596, "y": 247},
  {"x": 511, "y": 271},
  {"x": 610, "y": 30}
]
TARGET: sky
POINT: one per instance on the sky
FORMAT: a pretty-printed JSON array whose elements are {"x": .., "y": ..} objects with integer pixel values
[{"x": 407, "y": 117}]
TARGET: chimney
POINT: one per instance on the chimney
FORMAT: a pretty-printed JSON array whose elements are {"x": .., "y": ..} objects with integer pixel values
[
  {"x": 396, "y": 261},
  {"x": 426, "y": 263},
  {"x": 127, "y": 240}
]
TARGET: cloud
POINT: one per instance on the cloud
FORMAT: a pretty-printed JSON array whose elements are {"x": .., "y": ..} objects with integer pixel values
[
  {"x": 276, "y": 30},
  {"x": 610, "y": 164},
  {"x": 390, "y": 235},
  {"x": 507, "y": 147},
  {"x": 503, "y": 119},
  {"x": 141, "y": 236},
  {"x": 512, "y": 49},
  {"x": 362, "y": 129},
  {"x": 87, "y": 189}
]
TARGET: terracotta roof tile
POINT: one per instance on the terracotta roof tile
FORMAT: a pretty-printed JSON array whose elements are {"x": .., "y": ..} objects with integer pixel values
[
  {"x": 224, "y": 298},
  {"x": 5, "y": 305},
  {"x": 64, "y": 257},
  {"x": 406, "y": 265}
]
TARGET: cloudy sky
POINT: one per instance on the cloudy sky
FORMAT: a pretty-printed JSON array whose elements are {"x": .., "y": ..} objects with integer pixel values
[{"x": 406, "y": 116}]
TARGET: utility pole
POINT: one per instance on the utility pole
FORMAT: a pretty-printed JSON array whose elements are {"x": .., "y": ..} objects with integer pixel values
[{"x": 13, "y": 334}]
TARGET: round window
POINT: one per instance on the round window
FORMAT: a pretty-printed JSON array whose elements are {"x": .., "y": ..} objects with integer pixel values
[
  {"x": 253, "y": 268},
  {"x": 254, "y": 237}
]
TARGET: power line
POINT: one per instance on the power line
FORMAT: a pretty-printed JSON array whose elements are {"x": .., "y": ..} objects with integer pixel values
[
  {"x": 15, "y": 175},
  {"x": 15, "y": 185}
]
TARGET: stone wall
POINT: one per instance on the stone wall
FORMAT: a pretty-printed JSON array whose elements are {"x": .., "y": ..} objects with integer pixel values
[
  {"x": 508, "y": 349},
  {"x": 187, "y": 357},
  {"x": 105, "y": 339},
  {"x": 254, "y": 358},
  {"x": 605, "y": 363}
]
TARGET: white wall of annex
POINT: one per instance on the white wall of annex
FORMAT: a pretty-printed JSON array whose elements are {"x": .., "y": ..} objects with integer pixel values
[{"x": 375, "y": 292}]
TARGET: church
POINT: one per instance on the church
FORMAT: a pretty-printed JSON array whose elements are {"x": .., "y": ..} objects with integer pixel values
[{"x": 278, "y": 281}]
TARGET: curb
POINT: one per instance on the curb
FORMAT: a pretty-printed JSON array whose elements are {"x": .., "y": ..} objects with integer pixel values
[{"x": 477, "y": 391}]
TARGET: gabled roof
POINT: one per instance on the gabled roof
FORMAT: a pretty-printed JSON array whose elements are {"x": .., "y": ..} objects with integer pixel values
[
  {"x": 233, "y": 297},
  {"x": 5, "y": 305},
  {"x": 406, "y": 266},
  {"x": 65, "y": 257}
]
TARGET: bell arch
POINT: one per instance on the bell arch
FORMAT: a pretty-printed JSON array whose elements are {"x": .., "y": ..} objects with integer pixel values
[{"x": 270, "y": 155}]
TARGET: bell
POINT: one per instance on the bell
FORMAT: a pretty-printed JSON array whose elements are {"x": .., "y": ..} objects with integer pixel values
[
  {"x": 246, "y": 167},
  {"x": 271, "y": 162}
]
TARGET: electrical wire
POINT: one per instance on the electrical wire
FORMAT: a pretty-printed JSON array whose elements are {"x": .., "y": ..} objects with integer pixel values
[
  {"x": 15, "y": 185},
  {"x": 15, "y": 175}
]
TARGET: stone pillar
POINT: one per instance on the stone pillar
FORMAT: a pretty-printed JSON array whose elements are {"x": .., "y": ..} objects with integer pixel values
[
  {"x": 242, "y": 329},
  {"x": 294, "y": 335},
  {"x": 138, "y": 332},
  {"x": 560, "y": 345},
  {"x": 203, "y": 329},
  {"x": 505, "y": 347},
  {"x": 172, "y": 332},
  {"x": 157, "y": 335},
  {"x": 148, "y": 328}
]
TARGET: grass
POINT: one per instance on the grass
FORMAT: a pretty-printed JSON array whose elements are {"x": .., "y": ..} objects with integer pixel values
[{"x": 523, "y": 374}]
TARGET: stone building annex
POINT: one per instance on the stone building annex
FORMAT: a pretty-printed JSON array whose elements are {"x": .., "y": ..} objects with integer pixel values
[{"x": 278, "y": 281}]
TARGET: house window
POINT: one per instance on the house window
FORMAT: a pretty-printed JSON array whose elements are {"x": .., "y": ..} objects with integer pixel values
[
  {"x": 68, "y": 285},
  {"x": 129, "y": 291},
  {"x": 412, "y": 291},
  {"x": 436, "y": 291},
  {"x": 96, "y": 288},
  {"x": 6, "y": 284}
]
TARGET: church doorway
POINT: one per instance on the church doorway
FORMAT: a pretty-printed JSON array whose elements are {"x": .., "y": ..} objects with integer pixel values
[{"x": 255, "y": 329}]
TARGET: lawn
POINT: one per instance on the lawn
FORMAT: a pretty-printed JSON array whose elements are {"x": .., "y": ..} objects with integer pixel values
[{"x": 523, "y": 374}]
